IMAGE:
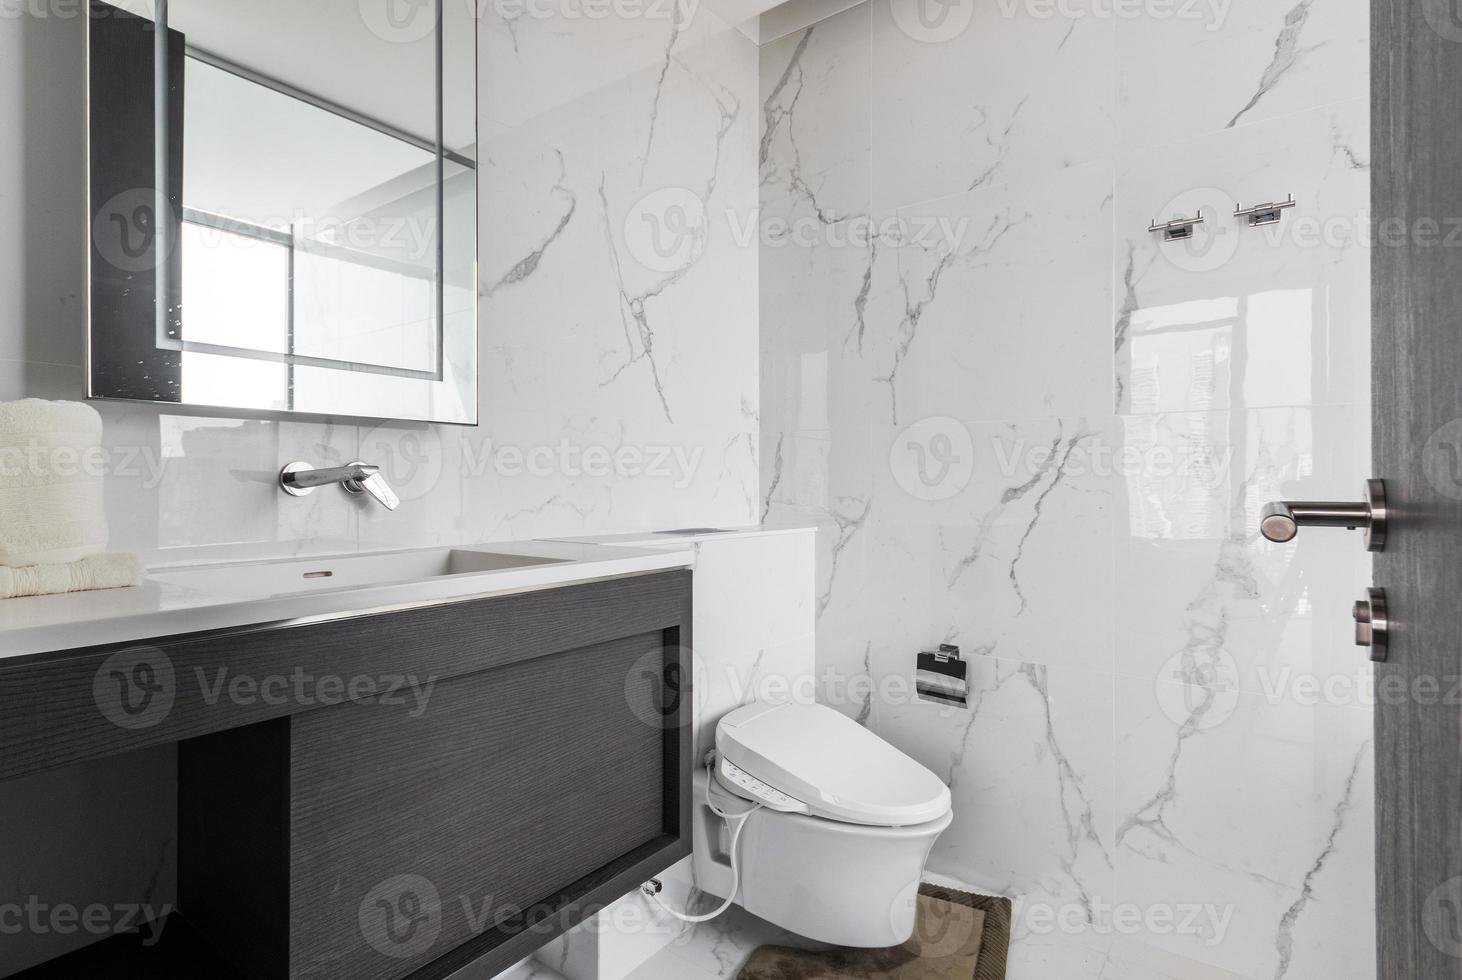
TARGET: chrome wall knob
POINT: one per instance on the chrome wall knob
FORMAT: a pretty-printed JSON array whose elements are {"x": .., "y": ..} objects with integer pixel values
[
  {"x": 1372, "y": 623},
  {"x": 1281, "y": 521}
]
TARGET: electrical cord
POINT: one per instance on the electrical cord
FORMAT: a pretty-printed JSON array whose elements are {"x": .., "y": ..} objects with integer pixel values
[{"x": 738, "y": 822}]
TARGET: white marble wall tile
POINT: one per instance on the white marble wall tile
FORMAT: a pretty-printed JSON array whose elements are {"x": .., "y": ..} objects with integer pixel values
[
  {"x": 593, "y": 339},
  {"x": 1194, "y": 68},
  {"x": 817, "y": 260},
  {"x": 1261, "y": 809},
  {"x": 1241, "y": 316},
  {"x": 820, "y": 306},
  {"x": 990, "y": 286},
  {"x": 879, "y": 615},
  {"x": 818, "y": 391},
  {"x": 1016, "y": 557},
  {"x": 595, "y": 332},
  {"x": 536, "y": 59},
  {"x": 679, "y": 190},
  {"x": 818, "y": 246},
  {"x": 983, "y": 92},
  {"x": 850, "y": 596},
  {"x": 814, "y": 151}
]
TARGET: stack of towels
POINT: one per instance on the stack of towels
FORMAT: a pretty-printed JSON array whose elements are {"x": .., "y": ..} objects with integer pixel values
[{"x": 53, "y": 524}]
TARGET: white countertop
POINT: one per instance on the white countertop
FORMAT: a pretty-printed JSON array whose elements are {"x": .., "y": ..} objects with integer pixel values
[
  {"x": 688, "y": 536},
  {"x": 164, "y": 606}
]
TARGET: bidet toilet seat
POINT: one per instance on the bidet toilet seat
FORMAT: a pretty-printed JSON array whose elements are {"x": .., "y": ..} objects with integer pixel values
[{"x": 826, "y": 761}]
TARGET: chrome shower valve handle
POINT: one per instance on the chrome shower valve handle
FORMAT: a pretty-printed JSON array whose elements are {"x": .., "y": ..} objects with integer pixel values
[{"x": 1282, "y": 520}]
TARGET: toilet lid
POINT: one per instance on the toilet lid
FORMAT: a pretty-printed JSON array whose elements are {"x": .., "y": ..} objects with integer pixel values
[{"x": 837, "y": 767}]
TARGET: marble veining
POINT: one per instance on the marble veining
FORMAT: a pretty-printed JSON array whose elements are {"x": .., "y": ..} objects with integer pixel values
[
  {"x": 998, "y": 144},
  {"x": 908, "y": 327},
  {"x": 640, "y": 341},
  {"x": 1284, "y": 939},
  {"x": 1128, "y": 307},
  {"x": 1287, "y": 52},
  {"x": 1149, "y": 817},
  {"x": 527, "y": 265},
  {"x": 776, "y": 478},
  {"x": 919, "y": 291},
  {"x": 677, "y": 16},
  {"x": 848, "y": 519},
  {"x": 860, "y": 302},
  {"x": 777, "y": 115}
]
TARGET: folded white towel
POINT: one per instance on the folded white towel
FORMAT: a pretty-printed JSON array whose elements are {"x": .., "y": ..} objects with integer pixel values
[
  {"x": 51, "y": 505},
  {"x": 96, "y": 572}
]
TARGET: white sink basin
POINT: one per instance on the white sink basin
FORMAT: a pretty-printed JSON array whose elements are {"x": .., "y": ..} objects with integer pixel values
[{"x": 301, "y": 575}]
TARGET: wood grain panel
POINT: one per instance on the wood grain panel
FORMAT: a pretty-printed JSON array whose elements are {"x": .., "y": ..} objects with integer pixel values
[
  {"x": 1416, "y": 59},
  {"x": 56, "y": 713},
  {"x": 512, "y": 784}
]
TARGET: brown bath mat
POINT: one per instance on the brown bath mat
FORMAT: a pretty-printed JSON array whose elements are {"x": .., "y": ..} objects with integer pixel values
[{"x": 957, "y": 936}]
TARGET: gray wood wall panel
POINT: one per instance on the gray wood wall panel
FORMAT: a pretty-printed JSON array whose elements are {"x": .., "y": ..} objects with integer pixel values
[{"x": 1417, "y": 364}]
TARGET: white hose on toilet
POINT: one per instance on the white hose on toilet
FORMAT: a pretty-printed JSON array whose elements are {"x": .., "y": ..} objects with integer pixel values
[{"x": 738, "y": 822}]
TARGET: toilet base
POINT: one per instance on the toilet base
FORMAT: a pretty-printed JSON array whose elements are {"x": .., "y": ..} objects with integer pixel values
[{"x": 839, "y": 883}]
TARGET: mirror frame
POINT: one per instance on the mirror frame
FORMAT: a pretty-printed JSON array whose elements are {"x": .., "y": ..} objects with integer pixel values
[{"x": 203, "y": 409}]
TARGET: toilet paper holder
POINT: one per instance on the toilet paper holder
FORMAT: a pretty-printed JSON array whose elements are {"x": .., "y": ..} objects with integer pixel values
[{"x": 942, "y": 677}]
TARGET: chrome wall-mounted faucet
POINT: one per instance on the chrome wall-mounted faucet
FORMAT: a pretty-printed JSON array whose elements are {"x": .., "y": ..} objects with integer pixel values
[{"x": 301, "y": 479}]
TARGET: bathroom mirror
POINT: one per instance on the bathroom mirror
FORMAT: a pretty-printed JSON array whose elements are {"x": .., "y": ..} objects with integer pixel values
[{"x": 283, "y": 202}]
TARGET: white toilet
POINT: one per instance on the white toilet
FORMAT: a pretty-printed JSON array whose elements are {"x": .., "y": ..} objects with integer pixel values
[{"x": 836, "y": 852}]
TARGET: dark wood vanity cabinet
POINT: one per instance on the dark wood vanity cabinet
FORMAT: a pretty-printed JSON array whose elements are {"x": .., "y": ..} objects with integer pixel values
[{"x": 533, "y": 767}]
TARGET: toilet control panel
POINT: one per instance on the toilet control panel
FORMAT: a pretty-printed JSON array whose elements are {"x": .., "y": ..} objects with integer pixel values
[{"x": 744, "y": 784}]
